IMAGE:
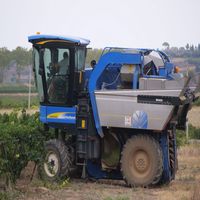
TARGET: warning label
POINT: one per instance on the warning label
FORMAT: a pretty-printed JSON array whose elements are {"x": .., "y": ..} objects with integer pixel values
[{"x": 128, "y": 120}]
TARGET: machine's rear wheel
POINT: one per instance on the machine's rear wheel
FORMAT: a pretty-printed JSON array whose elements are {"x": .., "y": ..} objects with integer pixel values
[
  {"x": 57, "y": 161},
  {"x": 141, "y": 161}
]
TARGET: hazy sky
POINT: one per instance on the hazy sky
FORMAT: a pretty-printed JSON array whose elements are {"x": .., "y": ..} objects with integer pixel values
[{"x": 125, "y": 23}]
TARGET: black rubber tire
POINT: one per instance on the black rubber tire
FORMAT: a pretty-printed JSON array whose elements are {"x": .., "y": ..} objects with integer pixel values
[
  {"x": 59, "y": 150},
  {"x": 141, "y": 161}
]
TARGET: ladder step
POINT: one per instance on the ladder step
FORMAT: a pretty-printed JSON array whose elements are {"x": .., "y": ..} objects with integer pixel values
[
  {"x": 80, "y": 128},
  {"x": 82, "y": 115},
  {"x": 81, "y": 152},
  {"x": 82, "y": 164},
  {"x": 81, "y": 140}
]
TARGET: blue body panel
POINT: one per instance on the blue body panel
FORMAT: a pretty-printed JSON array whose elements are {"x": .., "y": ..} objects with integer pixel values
[
  {"x": 43, "y": 114},
  {"x": 54, "y": 114},
  {"x": 88, "y": 72},
  {"x": 95, "y": 171},
  {"x": 78, "y": 40}
]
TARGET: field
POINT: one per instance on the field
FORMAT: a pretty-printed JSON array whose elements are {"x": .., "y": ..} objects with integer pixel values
[
  {"x": 17, "y": 88},
  {"x": 194, "y": 116},
  {"x": 19, "y": 100},
  {"x": 186, "y": 186}
]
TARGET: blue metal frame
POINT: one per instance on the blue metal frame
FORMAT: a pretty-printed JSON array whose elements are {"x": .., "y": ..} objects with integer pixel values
[
  {"x": 106, "y": 59},
  {"x": 111, "y": 58},
  {"x": 136, "y": 77}
]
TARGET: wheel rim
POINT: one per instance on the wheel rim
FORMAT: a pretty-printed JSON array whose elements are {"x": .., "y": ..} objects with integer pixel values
[
  {"x": 51, "y": 165},
  {"x": 140, "y": 163}
]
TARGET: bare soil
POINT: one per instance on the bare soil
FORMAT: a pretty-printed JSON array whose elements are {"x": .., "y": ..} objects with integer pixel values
[
  {"x": 194, "y": 116},
  {"x": 185, "y": 186}
]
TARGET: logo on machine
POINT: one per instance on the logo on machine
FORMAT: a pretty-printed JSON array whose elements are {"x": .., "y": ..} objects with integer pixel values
[
  {"x": 62, "y": 115},
  {"x": 139, "y": 119},
  {"x": 128, "y": 120}
]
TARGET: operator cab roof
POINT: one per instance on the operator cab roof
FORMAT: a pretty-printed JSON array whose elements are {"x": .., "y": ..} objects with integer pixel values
[{"x": 43, "y": 39}]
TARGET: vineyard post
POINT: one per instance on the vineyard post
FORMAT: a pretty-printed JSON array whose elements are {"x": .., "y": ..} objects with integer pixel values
[
  {"x": 29, "y": 88},
  {"x": 187, "y": 130}
]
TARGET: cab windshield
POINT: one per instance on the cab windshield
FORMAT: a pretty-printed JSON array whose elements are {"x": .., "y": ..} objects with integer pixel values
[{"x": 56, "y": 70}]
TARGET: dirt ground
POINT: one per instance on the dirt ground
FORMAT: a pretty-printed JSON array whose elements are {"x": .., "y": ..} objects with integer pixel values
[
  {"x": 194, "y": 116},
  {"x": 185, "y": 186}
]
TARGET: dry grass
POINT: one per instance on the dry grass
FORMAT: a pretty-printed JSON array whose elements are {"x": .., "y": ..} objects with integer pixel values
[
  {"x": 196, "y": 194},
  {"x": 185, "y": 187},
  {"x": 194, "y": 116}
]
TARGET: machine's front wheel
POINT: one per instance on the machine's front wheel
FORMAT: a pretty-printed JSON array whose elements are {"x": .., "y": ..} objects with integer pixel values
[
  {"x": 57, "y": 161},
  {"x": 141, "y": 161}
]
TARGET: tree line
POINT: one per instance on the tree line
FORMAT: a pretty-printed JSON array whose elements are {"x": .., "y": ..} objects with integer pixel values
[
  {"x": 189, "y": 50},
  {"x": 22, "y": 57},
  {"x": 19, "y": 56}
]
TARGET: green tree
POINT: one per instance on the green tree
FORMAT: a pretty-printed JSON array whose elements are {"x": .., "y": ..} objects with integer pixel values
[
  {"x": 93, "y": 54},
  {"x": 22, "y": 57},
  {"x": 4, "y": 61},
  {"x": 165, "y": 45},
  {"x": 187, "y": 46},
  {"x": 181, "y": 51},
  {"x": 198, "y": 47},
  {"x": 192, "y": 48}
]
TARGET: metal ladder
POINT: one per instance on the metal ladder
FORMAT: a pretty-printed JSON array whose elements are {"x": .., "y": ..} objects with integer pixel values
[{"x": 82, "y": 135}]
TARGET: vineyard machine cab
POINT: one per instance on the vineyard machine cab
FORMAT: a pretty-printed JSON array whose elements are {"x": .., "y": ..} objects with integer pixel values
[{"x": 117, "y": 120}]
